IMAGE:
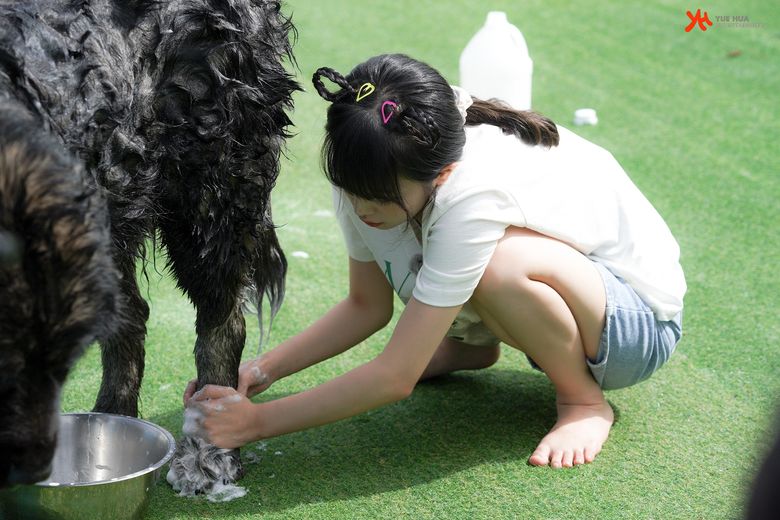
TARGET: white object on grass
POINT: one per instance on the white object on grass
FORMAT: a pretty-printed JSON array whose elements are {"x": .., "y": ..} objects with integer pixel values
[
  {"x": 300, "y": 254},
  {"x": 585, "y": 116},
  {"x": 496, "y": 64}
]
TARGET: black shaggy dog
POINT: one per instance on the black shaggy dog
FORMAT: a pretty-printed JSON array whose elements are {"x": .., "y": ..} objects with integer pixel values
[{"x": 122, "y": 121}]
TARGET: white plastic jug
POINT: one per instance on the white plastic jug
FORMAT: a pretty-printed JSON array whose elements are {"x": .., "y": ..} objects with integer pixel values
[{"x": 496, "y": 64}]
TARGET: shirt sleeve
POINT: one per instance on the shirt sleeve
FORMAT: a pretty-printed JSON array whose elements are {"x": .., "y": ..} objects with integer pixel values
[
  {"x": 459, "y": 244},
  {"x": 356, "y": 247}
]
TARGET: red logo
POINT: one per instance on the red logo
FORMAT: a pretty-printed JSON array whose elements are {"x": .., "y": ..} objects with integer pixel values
[{"x": 698, "y": 18}]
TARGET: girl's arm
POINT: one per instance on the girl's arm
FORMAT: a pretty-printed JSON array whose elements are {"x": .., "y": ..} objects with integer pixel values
[
  {"x": 367, "y": 308},
  {"x": 230, "y": 421}
]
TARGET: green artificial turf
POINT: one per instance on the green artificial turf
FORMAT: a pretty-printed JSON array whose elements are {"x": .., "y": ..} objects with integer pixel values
[{"x": 695, "y": 128}]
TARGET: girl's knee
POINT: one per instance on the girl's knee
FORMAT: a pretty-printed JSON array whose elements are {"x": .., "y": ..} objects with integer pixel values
[
  {"x": 512, "y": 263},
  {"x": 499, "y": 279}
]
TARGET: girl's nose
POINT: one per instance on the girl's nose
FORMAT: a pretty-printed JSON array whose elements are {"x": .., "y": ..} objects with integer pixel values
[{"x": 362, "y": 207}]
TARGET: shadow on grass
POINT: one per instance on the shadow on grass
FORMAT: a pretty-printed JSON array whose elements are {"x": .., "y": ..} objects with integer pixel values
[{"x": 448, "y": 425}]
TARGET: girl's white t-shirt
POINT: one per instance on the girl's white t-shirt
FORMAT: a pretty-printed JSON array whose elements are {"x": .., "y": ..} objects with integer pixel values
[{"x": 575, "y": 192}]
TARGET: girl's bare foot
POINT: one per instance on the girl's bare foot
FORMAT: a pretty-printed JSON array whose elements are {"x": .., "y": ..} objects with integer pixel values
[{"x": 577, "y": 436}]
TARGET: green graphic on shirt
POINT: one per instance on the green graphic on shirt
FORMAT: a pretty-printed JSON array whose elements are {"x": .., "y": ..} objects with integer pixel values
[{"x": 389, "y": 274}]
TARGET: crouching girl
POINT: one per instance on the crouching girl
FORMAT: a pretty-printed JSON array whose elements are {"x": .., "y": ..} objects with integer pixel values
[{"x": 493, "y": 225}]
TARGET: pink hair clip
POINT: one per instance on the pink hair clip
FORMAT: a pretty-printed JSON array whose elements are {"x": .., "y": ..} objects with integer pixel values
[{"x": 387, "y": 115}]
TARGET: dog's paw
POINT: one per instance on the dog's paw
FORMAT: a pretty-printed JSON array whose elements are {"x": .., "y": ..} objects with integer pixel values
[{"x": 198, "y": 468}]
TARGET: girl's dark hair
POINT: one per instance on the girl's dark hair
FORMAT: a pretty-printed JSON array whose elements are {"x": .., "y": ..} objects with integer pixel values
[{"x": 364, "y": 156}]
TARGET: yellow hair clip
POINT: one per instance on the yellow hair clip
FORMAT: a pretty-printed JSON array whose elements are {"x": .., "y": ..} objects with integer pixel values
[{"x": 366, "y": 89}]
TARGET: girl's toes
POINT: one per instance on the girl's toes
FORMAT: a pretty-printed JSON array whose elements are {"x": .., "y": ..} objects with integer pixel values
[
  {"x": 579, "y": 457},
  {"x": 556, "y": 459},
  {"x": 566, "y": 460},
  {"x": 590, "y": 453},
  {"x": 540, "y": 456}
]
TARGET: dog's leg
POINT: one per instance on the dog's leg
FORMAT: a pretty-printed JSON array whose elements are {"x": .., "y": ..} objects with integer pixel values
[
  {"x": 215, "y": 287},
  {"x": 198, "y": 466},
  {"x": 219, "y": 345},
  {"x": 123, "y": 352}
]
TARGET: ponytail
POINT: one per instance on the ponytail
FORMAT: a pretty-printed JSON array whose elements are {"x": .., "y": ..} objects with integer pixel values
[{"x": 530, "y": 127}]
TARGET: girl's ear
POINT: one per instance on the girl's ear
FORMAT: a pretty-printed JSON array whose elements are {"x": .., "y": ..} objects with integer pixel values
[{"x": 444, "y": 174}]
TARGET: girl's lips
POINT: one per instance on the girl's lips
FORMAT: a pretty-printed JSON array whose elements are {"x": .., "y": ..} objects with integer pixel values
[{"x": 372, "y": 224}]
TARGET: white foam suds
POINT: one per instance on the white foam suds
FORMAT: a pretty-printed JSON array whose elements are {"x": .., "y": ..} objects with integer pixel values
[
  {"x": 225, "y": 492},
  {"x": 251, "y": 457},
  {"x": 258, "y": 376},
  {"x": 192, "y": 422},
  {"x": 219, "y": 404},
  {"x": 232, "y": 398}
]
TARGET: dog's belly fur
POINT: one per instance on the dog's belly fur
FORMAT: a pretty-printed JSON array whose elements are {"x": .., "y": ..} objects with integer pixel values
[{"x": 122, "y": 122}]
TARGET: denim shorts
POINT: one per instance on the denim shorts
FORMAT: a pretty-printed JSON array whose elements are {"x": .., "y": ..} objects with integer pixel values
[{"x": 634, "y": 344}]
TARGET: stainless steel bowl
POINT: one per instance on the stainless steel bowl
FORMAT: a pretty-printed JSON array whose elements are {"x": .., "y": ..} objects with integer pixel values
[{"x": 103, "y": 467}]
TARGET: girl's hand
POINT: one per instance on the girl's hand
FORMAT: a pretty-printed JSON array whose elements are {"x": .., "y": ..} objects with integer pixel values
[
  {"x": 252, "y": 380},
  {"x": 189, "y": 390},
  {"x": 222, "y": 416}
]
